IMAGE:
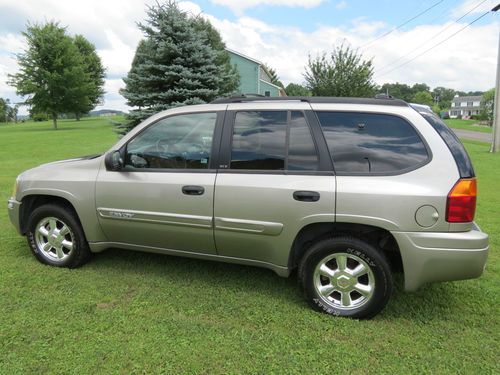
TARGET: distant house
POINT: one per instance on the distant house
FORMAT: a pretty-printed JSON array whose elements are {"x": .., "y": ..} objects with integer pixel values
[
  {"x": 254, "y": 78},
  {"x": 465, "y": 106}
]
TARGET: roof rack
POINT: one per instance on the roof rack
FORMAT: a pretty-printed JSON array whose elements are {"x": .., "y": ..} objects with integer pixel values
[{"x": 379, "y": 100}]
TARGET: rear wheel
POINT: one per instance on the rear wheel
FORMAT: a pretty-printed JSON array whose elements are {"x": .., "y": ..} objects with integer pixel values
[
  {"x": 345, "y": 276},
  {"x": 56, "y": 238}
]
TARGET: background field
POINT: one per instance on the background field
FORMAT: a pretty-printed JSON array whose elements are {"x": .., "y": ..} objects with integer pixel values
[{"x": 130, "y": 312}]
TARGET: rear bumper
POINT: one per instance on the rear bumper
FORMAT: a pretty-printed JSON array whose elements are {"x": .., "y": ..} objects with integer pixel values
[
  {"x": 13, "y": 207},
  {"x": 433, "y": 256}
]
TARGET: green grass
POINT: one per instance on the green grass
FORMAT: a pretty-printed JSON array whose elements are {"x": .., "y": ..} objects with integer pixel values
[
  {"x": 129, "y": 312},
  {"x": 467, "y": 125}
]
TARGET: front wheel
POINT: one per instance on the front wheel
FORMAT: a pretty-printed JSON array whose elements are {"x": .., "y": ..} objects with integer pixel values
[
  {"x": 345, "y": 276},
  {"x": 56, "y": 237}
]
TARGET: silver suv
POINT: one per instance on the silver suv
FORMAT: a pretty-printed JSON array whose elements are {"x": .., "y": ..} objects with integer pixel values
[{"x": 347, "y": 191}]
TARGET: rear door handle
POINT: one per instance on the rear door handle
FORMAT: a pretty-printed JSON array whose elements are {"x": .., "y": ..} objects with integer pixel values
[
  {"x": 193, "y": 190},
  {"x": 306, "y": 196}
]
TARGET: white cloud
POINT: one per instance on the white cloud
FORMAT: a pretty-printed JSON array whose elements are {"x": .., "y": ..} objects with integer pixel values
[
  {"x": 341, "y": 5},
  {"x": 190, "y": 7},
  {"x": 238, "y": 6}
]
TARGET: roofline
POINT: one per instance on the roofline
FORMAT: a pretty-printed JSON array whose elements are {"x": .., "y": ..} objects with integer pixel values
[
  {"x": 244, "y": 56},
  {"x": 271, "y": 84},
  {"x": 313, "y": 99}
]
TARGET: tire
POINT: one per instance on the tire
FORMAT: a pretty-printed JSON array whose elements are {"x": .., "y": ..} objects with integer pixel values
[
  {"x": 56, "y": 237},
  {"x": 345, "y": 276}
]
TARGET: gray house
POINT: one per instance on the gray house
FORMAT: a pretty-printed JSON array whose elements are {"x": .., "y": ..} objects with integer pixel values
[{"x": 465, "y": 106}]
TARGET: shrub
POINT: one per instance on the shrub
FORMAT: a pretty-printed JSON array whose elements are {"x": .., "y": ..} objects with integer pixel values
[{"x": 40, "y": 117}]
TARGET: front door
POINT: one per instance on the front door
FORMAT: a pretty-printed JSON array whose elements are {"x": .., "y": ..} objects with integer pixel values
[{"x": 163, "y": 198}]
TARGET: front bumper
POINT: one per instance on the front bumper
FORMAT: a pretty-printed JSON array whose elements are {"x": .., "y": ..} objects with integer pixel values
[
  {"x": 13, "y": 207},
  {"x": 434, "y": 256}
]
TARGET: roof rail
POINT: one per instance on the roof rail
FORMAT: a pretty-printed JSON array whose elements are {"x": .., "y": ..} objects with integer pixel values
[{"x": 243, "y": 98}]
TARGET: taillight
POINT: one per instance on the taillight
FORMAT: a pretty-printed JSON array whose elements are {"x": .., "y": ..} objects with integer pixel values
[{"x": 461, "y": 203}]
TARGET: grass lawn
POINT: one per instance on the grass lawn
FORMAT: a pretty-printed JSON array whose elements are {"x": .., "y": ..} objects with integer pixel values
[
  {"x": 467, "y": 125},
  {"x": 128, "y": 312}
]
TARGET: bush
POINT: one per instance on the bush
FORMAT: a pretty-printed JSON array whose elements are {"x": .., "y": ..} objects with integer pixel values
[{"x": 38, "y": 117}]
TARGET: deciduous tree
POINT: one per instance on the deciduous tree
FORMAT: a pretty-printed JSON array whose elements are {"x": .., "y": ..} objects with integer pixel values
[
  {"x": 487, "y": 105},
  {"x": 343, "y": 72},
  {"x": 294, "y": 89},
  {"x": 51, "y": 73},
  {"x": 94, "y": 87}
]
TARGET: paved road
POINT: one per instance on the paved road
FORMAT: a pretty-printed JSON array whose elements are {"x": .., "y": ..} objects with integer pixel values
[{"x": 476, "y": 136}]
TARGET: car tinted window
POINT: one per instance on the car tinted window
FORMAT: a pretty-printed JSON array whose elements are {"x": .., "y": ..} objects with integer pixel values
[
  {"x": 302, "y": 153},
  {"x": 371, "y": 143},
  {"x": 259, "y": 139},
  {"x": 178, "y": 142},
  {"x": 458, "y": 151}
]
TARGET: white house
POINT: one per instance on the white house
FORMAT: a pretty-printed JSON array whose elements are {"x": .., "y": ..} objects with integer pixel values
[{"x": 465, "y": 106}]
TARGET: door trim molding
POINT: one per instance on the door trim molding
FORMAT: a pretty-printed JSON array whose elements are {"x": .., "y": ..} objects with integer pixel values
[
  {"x": 248, "y": 226},
  {"x": 156, "y": 217}
]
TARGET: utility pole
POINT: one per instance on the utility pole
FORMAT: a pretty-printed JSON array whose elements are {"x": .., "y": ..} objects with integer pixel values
[{"x": 495, "y": 143}]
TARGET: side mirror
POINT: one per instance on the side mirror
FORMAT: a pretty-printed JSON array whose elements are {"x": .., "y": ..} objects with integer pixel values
[{"x": 114, "y": 161}]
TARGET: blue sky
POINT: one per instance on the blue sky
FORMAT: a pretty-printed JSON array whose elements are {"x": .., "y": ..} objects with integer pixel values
[{"x": 282, "y": 33}]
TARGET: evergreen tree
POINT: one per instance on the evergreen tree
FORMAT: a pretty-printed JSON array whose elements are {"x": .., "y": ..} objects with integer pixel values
[
  {"x": 343, "y": 73},
  {"x": 96, "y": 73},
  {"x": 174, "y": 65},
  {"x": 275, "y": 80},
  {"x": 231, "y": 77},
  {"x": 51, "y": 72}
]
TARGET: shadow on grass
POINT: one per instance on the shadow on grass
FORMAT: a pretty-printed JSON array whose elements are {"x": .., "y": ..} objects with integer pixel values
[
  {"x": 434, "y": 302},
  {"x": 181, "y": 269}
]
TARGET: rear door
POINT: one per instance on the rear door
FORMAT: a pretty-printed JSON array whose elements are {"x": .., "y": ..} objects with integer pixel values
[{"x": 275, "y": 177}]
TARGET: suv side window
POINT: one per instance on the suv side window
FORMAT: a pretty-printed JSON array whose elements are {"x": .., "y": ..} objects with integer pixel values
[
  {"x": 371, "y": 143},
  {"x": 260, "y": 140},
  {"x": 176, "y": 142}
]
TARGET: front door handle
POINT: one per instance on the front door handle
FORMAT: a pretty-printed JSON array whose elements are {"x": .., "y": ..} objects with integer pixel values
[
  {"x": 193, "y": 190},
  {"x": 306, "y": 196}
]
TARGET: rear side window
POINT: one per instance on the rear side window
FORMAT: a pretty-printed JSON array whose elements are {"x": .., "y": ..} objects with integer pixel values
[
  {"x": 462, "y": 159},
  {"x": 259, "y": 140},
  {"x": 369, "y": 143},
  {"x": 273, "y": 140}
]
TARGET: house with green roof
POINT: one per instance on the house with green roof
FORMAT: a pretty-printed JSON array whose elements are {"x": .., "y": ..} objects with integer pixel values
[{"x": 254, "y": 77}]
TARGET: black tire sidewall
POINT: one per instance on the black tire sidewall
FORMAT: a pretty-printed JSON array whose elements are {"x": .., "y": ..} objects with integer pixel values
[
  {"x": 80, "y": 252},
  {"x": 350, "y": 245}
]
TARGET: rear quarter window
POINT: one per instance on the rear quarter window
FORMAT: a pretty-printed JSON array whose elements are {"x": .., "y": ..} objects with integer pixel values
[
  {"x": 368, "y": 143},
  {"x": 456, "y": 147}
]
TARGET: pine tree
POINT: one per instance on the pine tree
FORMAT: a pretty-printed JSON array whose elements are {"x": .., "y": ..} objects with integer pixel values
[
  {"x": 174, "y": 65},
  {"x": 231, "y": 77},
  {"x": 275, "y": 80}
]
